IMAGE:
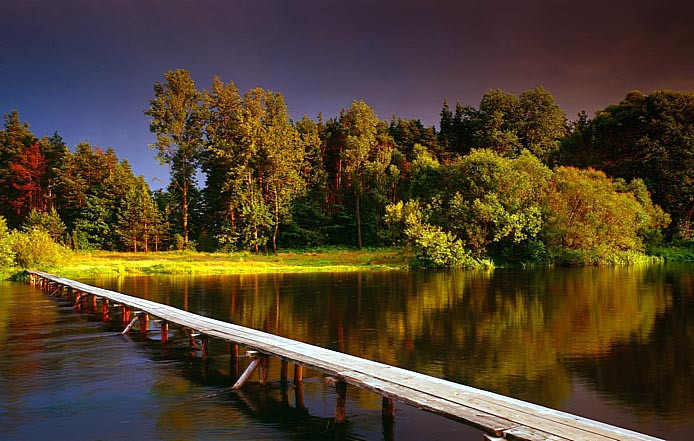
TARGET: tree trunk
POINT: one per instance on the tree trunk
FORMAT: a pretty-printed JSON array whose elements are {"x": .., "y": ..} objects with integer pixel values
[
  {"x": 255, "y": 236},
  {"x": 135, "y": 244},
  {"x": 277, "y": 223},
  {"x": 358, "y": 215},
  {"x": 184, "y": 189}
]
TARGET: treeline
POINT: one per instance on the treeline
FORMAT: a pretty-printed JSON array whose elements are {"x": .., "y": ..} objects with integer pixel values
[
  {"x": 87, "y": 199},
  {"x": 496, "y": 180}
]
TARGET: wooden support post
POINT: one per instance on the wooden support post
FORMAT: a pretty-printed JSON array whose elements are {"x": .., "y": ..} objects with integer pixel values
[
  {"x": 264, "y": 364},
  {"x": 144, "y": 322},
  {"x": 299, "y": 395},
  {"x": 387, "y": 408},
  {"x": 130, "y": 325},
  {"x": 283, "y": 372},
  {"x": 164, "y": 332},
  {"x": 204, "y": 340},
  {"x": 388, "y": 420},
  {"x": 93, "y": 303},
  {"x": 298, "y": 373},
  {"x": 126, "y": 314},
  {"x": 341, "y": 389},
  {"x": 104, "y": 309},
  {"x": 247, "y": 373},
  {"x": 78, "y": 300}
]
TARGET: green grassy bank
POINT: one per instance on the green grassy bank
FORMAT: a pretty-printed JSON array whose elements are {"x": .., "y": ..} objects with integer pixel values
[
  {"x": 104, "y": 263},
  {"x": 679, "y": 251}
]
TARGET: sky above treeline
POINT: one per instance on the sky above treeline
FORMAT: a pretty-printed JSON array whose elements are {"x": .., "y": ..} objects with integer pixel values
[{"x": 86, "y": 68}]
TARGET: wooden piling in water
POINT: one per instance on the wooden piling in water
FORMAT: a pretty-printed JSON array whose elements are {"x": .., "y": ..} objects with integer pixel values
[
  {"x": 144, "y": 322},
  {"x": 298, "y": 373},
  {"x": 387, "y": 408},
  {"x": 283, "y": 372},
  {"x": 340, "y": 401},
  {"x": 164, "y": 332}
]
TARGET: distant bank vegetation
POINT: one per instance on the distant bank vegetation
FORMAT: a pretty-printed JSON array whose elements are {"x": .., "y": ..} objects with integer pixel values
[{"x": 510, "y": 181}]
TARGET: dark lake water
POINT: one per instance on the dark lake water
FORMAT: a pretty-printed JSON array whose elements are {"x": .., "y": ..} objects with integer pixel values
[{"x": 614, "y": 343}]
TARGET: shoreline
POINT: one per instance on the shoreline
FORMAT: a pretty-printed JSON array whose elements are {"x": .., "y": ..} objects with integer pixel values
[{"x": 82, "y": 264}]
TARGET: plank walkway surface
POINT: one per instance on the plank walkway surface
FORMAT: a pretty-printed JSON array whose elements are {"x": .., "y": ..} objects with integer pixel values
[{"x": 497, "y": 415}]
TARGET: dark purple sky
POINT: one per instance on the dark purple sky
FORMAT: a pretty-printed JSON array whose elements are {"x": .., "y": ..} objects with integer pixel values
[{"x": 86, "y": 68}]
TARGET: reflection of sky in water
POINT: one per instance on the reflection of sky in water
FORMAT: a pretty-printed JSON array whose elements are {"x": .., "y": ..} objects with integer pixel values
[{"x": 561, "y": 338}]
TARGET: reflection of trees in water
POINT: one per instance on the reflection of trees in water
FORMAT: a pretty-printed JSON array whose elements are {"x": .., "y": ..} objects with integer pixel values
[
  {"x": 513, "y": 332},
  {"x": 657, "y": 374}
]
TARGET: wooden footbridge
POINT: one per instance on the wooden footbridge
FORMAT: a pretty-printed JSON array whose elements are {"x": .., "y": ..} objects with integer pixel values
[{"x": 498, "y": 416}]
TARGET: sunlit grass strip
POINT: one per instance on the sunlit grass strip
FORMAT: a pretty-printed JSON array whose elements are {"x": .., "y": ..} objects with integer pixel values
[{"x": 85, "y": 264}]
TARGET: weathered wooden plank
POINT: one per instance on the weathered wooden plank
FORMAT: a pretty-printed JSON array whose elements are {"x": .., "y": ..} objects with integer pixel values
[{"x": 496, "y": 414}]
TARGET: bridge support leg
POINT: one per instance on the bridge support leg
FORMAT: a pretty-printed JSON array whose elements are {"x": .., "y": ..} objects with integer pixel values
[
  {"x": 130, "y": 325},
  {"x": 388, "y": 419},
  {"x": 264, "y": 364},
  {"x": 340, "y": 403},
  {"x": 93, "y": 303},
  {"x": 247, "y": 373},
  {"x": 299, "y": 395},
  {"x": 164, "y": 332},
  {"x": 203, "y": 346},
  {"x": 298, "y": 373},
  {"x": 126, "y": 314},
  {"x": 104, "y": 309},
  {"x": 283, "y": 372},
  {"x": 144, "y": 322},
  {"x": 387, "y": 408}
]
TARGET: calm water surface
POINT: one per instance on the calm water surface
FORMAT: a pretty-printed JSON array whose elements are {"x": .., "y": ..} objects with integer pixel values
[{"x": 613, "y": 344}]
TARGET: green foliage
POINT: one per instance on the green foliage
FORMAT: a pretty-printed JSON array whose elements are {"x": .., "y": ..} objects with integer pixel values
[
  {"x": 590, "y": 216},
  {"x": 178, "y": 242},
  {"x": 139, "y": 221},
  {"x": 366, "y": 155},
  {"x": 7, "y": 253},
  {"x": 35, "y": 249},
  {"x": 506, "y": 124},
  {"x": 177, "y": 118},
  {"x": 254, "y": 160},
  {"x": 433, "y": 247},
  {"x": 521, "y": 212},
  {"x": 650, "y": 137},
  {"x": 485, "y": 199},
  {"x": 50, "y": 222}
]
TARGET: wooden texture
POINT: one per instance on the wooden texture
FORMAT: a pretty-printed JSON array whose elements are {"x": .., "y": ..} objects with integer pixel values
[
  {"x": 340, "y": 401},
  {"x": 247, "y": 374},
  {"x": 497, "y": 415}
]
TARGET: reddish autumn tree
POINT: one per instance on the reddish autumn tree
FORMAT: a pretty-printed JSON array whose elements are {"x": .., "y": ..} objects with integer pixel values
[{"x": 27, "y": 173}]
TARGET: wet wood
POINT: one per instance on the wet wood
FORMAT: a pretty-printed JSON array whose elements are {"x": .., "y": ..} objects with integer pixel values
[
  {"x": 264, "y": 364},
  {"x": 144, "y": 322},
  {"x": 247, "y": 373},
  {"x": 298, "y": 373},
  {"x": 130, "y": 325},
  {"x": 495, "y": 414},
  {"x": 283, "y": 372},
  {"x": 340, "y": 401},
  {"x": 299, "y": 395},
  {"x": 164, "y": 332},
  {"x": 387, "y": 408}
]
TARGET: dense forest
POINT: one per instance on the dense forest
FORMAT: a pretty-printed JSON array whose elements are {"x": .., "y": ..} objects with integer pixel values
[{"x": 511, "y": 180}]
